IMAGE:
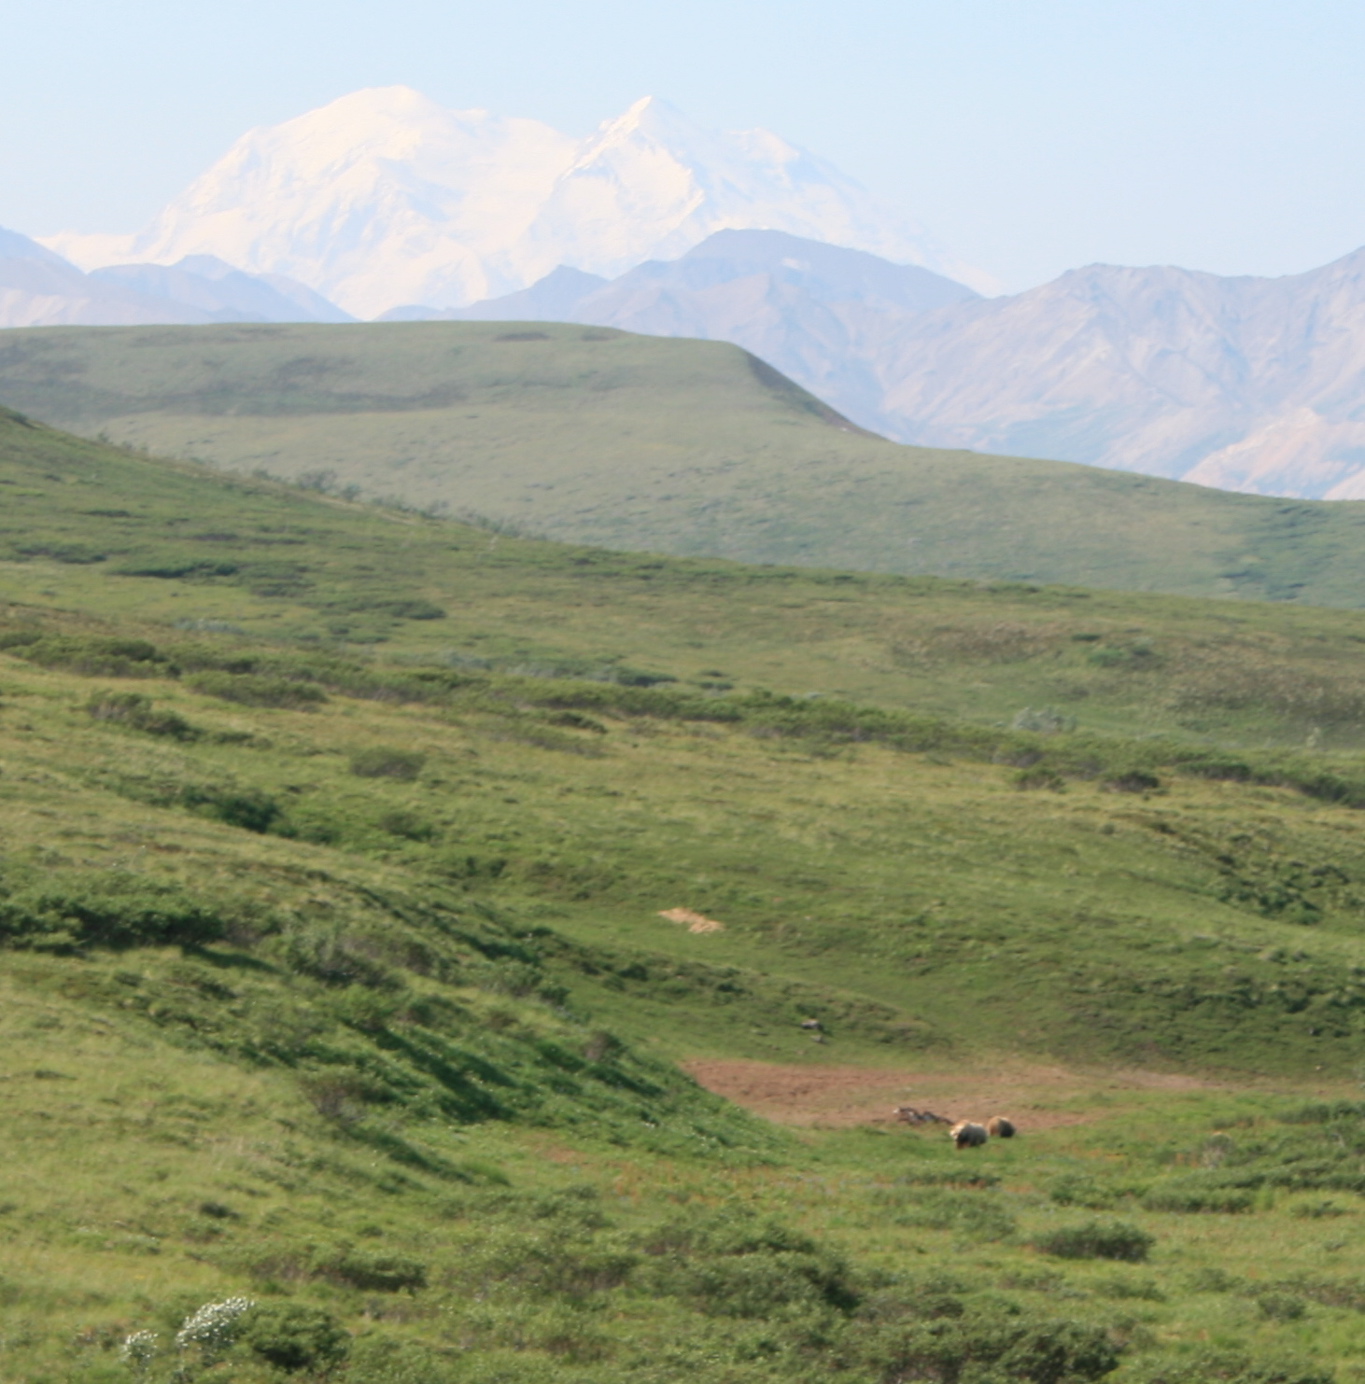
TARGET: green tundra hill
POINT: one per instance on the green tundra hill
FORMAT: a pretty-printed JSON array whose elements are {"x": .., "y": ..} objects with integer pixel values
[
  {"x": 641, "y": 443},
  {"x": 345, "y": 1038}
]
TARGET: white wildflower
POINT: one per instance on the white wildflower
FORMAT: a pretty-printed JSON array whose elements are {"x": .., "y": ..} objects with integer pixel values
[
  {"x": 213, "y": 1328},
  {"x": 138, "y": 1350}
]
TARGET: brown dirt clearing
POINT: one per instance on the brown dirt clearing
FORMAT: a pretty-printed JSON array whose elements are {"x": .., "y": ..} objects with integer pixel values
[
  {"x": 693, "y": 921},
  {"x": 1035, "y": 1096}
]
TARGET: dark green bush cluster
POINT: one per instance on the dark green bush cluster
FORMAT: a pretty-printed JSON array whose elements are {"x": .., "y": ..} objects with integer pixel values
[
  {"x": 1076, "y": 1189},
  {"x": 733, "y": 1264},
  {"x": 1281, "y": 1307},
  {"x": 349, "y": 676},
  {"x": 374, "y": 1273},
  {"x": 248, "y": 808},
  {"x": 188, "y": 568},
  {"x": 1134, "y": 781},
  {"x": 949, "y": 1177},
  {"x": 76, "y": 554},
  {"x": 250, "y": 689},
  {"x": 91, "y": 655},
  {"x": 408, "y": 825},
  {"x": 105, "y": 909},
  {"x": 1195, "y": 1194},
  {"x": 380, "y": 761},
  {"x": 412, "y": 609},
  {"x": 135, "y": 711},
  {"x": 1027, "y": 779},
  {"x": 992, "y": 1346},
  {"x": 1326, "y": 1112},
  {"x": 334, "y": 957},
  {"x": 1098, "y": 1240},
  {"x": 292, "y": 1336}
]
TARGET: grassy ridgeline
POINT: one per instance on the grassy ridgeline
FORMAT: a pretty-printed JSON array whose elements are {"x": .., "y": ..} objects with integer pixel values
[
  {"x": 334, "y": 977},
  {"x": 686, "y": 447}
]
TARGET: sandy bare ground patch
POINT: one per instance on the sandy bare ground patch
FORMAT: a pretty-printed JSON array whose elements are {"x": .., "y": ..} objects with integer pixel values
[
  {"x": 692, "y": 920},
  {"x": 1031, "y": 1095}
]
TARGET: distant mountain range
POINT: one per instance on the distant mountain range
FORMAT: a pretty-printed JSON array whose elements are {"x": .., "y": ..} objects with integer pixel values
[
  {"x": 1239, "y": 383},
  {"x": 820, "y": 314},
  {"x": 41, "y": 289},
  {"x": 384, "y": 197},
  {"x": 392, "y": 206}
]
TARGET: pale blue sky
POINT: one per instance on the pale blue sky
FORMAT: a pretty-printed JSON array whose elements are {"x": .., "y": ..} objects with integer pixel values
[{"x": 1030, "y": 137}]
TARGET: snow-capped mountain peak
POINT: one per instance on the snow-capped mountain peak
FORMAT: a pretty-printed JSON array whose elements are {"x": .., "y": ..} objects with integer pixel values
[{"x": 384, "y": 197}]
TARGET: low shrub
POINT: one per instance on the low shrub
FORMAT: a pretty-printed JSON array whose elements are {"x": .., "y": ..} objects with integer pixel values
[
  {"x": 519, "y": 979},
  {"x": 333, "y": 957},
  {"x": 1134, "y": 781},
  {"x": 1076, "y": 1189},
  {"x": 1141, "y": 1289},
  {"x": 558, "y": 1258},
  {"x": 1232, "y": 1367},
  {"x": 410, "y": 610},
  {"x": 96, "y": 656},
  {"x": 574, "y": 721},
  {"x": 738, "y": 1265},
  {"x": 292, "y": 1336},
  {"x": 376, "y": 1359},
  {"x": 408, "y": 825},
  {"x": 1318, "y": 1210},
  {"x": 110, "y": 910},
  {"x": 76, "y": 554},
  {"x": 1027, "y": 779},
  {"x": 379, "y": 1273},
  {"x": 1043, "y": 721},
  {"x": 949, "y": 1177},
  {"x": 993, "y": 1347},
  {"x": 602, "y": 1046},
  {"x": 135, "y": 711},
  {"x": 250, "y": 689},
  {"x": 379, "y": 761},
  {"x": 972, "y": 1215},
  {"x": 182, "y": 570},
  {"x": 1325, "y": 1112},
  {"x": 759, "y": 1285},
  {"x": 248, "y": 808},
  {"x": 1281, "y": 1307},
  {"x": 1193, "y": 1195},
  {"x": 1098, "y": 1240}
]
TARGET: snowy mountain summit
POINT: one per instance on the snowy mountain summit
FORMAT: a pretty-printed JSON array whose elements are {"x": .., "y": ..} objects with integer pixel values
[{"x": 384, "y": 197}]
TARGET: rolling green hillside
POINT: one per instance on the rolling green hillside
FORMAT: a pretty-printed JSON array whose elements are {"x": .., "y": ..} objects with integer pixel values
[
  {"x": 334, "y": 844},
  {"x": 639, "y": 443}
]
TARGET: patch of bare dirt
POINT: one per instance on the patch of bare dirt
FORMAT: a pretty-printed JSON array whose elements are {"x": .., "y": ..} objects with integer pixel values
[
  {"x": 693, "y": 921},
  {"x": 1033, "y": 1096}
]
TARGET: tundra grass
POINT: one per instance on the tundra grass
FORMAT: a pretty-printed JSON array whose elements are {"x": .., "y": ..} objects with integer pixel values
[
  {"x": 144, "y": 1180},
  {"x": 641, "y": 443},
  {"x": 164, "y": 1156},
  {"x": 334, "y": 976},
  {"x": 89, "y": 529}
]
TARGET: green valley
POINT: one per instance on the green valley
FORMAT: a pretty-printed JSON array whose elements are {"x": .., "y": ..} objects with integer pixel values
[{"x": 346, "y": 1037}]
